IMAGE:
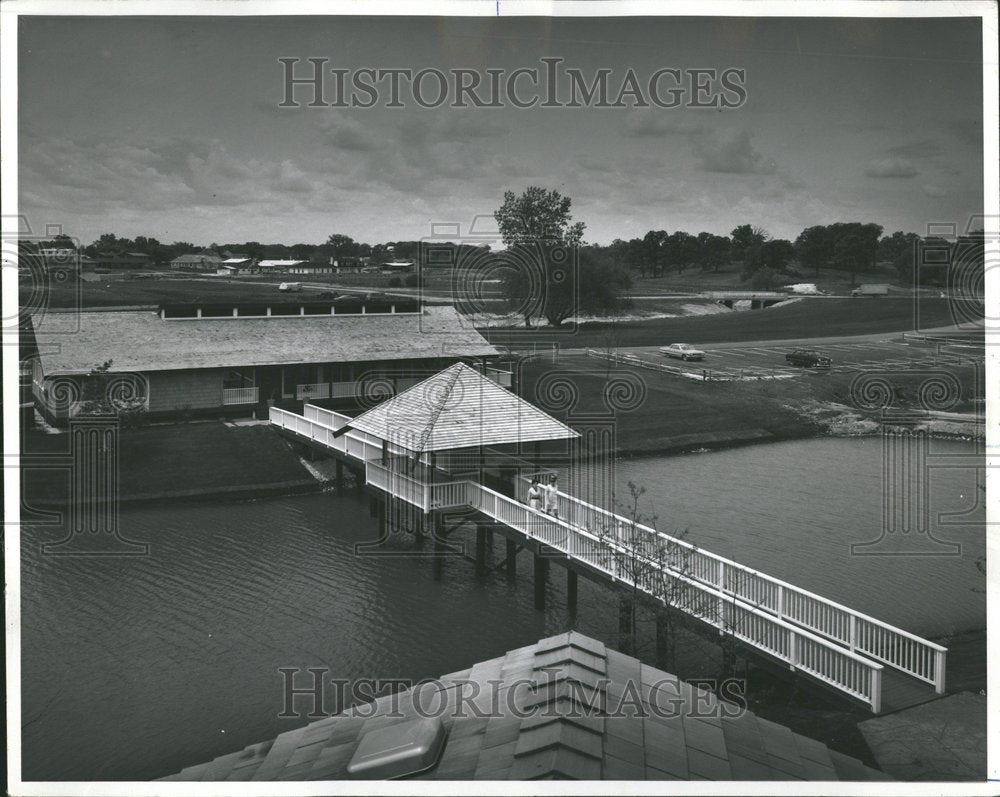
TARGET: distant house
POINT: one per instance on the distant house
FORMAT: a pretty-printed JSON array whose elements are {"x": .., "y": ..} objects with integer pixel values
[
  {"x": 220, "y": 358},
  {"x": 236, "y": 265},
  {"x": 310, "y": 267},
  {"x": 61, "y": 263},
  {"x": 349, "y": 265},
  {"x": 399, "y": 266},
  {"x": 279, "y": 266},
  {"x": 122, "y": 260},
  {"x": 51, "y": 254},
  {"x": 202, "y": 261}
]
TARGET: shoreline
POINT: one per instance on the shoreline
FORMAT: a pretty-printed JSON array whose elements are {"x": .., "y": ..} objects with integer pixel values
[{"x": 825, "y": 420}]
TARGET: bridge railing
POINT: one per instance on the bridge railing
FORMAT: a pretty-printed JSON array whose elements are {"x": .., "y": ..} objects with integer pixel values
[
  {"x": 352, "y": 443},
  {"x": 765, "y": 612},
  {"x": 920, "y": 658},
  {"x": 414, "y": 491},
  {"x": 786, "y": 641}
]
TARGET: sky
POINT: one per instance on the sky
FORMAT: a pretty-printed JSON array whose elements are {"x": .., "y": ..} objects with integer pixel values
[{"x": 171, "y": 128}]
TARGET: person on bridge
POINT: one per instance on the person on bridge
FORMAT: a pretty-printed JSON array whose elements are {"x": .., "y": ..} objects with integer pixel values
[
  {"x": 535, "y": 495},
  {"x": 552, "y": 496}
]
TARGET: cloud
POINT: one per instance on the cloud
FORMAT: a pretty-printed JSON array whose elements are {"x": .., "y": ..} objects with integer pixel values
[
  {"x": 924, "y": 148},
  {"x": 348, "y": 133},
  {"x": 891, "y": 168},
  {"x": 933, "y": 190},
  {"x": 640, "y": 124},
  {"x": 735, "y": 155},
  {"x": 113, "y": 178}
]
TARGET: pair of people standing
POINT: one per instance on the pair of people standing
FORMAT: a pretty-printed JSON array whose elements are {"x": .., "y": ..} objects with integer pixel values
[{"x": 544, "y": 495}]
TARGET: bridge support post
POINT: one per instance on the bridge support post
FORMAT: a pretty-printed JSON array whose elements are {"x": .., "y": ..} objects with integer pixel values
[
  {"x": 571, "y": 590},
  {"x": 625, "y": 629},
  {"x": 339, "y": 476},
  {"x": 663, "y": 641},
  {"x": 541, "y": 576},
  {"x": 482, "y": 548},
  {"x": 418, "y": 528},
  {"x": 437, "y": 522},
  {"x": 511, "y": 560}
]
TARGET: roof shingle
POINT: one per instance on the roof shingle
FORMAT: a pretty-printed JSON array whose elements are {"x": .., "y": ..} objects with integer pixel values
[
  {"x": 141, "y": 341},
  {"x": 556, "y": 732},
  {"x": 458, "y": 408}
]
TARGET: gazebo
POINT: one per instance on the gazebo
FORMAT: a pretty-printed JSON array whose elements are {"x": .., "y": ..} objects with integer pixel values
[{"x": 460, "y": 423}]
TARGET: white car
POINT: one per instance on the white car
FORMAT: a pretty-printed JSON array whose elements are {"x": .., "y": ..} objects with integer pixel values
[
  {"x": 291, "y": 287},
  {"x": 682, "y": 351}
]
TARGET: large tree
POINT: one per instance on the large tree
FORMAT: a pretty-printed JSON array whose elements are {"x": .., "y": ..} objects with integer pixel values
[
  {"x": 814, "y": 247},
  {"x": 681, "y": 250},
  {"x": 542, "y": 240},
  {"x": 899, "y": 249},
  {"x": 776, "y": 254},
  {"x": 713, "y": 250},
  {"x": 745, "y": 239},
  {"x": 338, "y": 246},
  {"x": 855, "y": 246},
  {"x": 538, "y": 215},
  {"x": 652, "y": 251}
]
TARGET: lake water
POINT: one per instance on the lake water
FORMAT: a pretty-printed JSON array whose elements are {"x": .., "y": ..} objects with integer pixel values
[{"x": 136, "y": 667}]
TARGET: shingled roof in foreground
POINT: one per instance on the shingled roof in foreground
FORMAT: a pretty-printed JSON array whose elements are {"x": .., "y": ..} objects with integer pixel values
[{"x": 651, "y": 726}]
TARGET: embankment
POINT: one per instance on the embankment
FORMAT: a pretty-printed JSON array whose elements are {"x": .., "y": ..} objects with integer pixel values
[{"x": 178, "y": 461}]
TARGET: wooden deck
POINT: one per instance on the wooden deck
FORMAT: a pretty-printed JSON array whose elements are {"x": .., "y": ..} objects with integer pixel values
[{"x": 865, "y": 659}]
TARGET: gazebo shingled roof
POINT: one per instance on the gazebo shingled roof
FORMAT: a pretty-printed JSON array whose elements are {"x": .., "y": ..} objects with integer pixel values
[{"x": 459, "y": 408}]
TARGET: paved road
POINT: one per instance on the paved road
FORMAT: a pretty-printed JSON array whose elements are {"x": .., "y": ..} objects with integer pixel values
[{"x": 754, "y": 360}]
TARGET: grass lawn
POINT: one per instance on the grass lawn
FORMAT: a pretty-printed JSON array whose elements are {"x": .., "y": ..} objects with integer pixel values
[
  {"x": 808, "y": 318},
  {"x": 124, "y": 289},
  {"x": 683, "y": 414},
  {"x": 676, "y": 414},
  {"x": 728, "y": 278},
  {"x": 204, "y": 457}
]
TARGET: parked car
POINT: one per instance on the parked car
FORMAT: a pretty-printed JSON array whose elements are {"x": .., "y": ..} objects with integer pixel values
[
  {"x": 808, "y": 358},
  {"x": 682, "y": 351},
  {"x": 290, "y": 286},
  {"x": 871, "y": 290}
]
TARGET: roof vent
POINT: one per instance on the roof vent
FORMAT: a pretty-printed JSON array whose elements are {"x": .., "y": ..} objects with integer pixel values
[{"x": 398, "y": 750}]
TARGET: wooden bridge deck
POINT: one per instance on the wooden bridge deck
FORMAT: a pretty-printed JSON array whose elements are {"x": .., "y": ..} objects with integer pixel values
[{"x": 863, "y": 658}]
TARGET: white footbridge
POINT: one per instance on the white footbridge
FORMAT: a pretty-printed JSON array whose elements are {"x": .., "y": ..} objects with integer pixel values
[{"x": 871, "y": 661}]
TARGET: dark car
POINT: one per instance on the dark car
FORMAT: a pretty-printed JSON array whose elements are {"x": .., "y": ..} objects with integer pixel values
[{"x": 808, "y": 358}]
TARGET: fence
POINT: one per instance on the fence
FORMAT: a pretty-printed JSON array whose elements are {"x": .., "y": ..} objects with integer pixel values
[
  {"x": 704, "y": 374},
  {"x": 239, "y": 395},
  {"x": 806, "y": 631},
  {"x": 790, "y": 643},
  {"x": 858, "y": 632}
]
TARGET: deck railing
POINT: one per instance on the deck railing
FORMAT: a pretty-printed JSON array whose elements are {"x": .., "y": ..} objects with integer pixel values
[
  {"x": 239, "y": 395},
  {"x": 353, "y": 443},
  {"x": 313, "y": 390},
  {"x": 920, "y": 658}
]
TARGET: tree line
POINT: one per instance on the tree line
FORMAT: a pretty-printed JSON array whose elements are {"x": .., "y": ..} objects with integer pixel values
[
  {"x": 542, "y": 218},
  {"x": 337, "y": 246},
  {"x": 854, "y": 247}
]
